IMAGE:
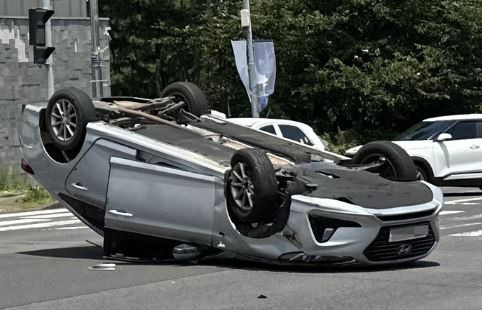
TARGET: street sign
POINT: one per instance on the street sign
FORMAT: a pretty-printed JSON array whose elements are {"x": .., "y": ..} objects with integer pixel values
[{"x": 265, "y": 68}]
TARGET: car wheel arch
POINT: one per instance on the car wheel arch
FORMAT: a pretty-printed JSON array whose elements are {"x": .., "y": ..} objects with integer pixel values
[{"x": 425, "y": 165}]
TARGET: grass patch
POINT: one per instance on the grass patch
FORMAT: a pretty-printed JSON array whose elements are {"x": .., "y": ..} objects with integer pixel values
[{"x": 18, "y": 192}]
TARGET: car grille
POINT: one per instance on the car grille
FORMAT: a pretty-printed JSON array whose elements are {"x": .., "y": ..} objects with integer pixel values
[
  {"x": 382, "y": 250},
  {"x": 408, "y": 216}
]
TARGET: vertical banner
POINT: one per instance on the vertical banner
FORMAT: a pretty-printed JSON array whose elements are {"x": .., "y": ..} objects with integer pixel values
[{"x": 265, "y": 59}]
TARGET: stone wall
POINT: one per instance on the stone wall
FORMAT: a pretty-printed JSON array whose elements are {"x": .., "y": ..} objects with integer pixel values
[{"x": 22, "y": 82}]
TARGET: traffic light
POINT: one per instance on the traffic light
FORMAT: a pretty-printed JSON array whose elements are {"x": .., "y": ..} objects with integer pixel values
[{"x": 37, "y": 20}]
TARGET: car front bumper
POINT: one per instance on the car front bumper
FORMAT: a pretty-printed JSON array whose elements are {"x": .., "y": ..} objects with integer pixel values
[{"x": 366, "y": 243}]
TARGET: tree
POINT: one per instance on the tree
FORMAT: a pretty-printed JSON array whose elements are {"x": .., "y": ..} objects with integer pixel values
[
  {"x": 350, "y": 64},
  {"x": 150, "y": 45}
]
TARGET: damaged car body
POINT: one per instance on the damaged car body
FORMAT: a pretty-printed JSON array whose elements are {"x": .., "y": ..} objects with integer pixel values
[{"x": 169, "y": 178}]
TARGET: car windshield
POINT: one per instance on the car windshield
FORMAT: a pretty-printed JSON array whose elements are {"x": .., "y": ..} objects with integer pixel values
[{"x": 423, "y": 131}]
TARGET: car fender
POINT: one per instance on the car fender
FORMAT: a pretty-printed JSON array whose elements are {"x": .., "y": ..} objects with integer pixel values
[{"x": 423, "y": 151}]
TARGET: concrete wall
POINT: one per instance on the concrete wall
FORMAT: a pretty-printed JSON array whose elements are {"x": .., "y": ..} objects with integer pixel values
[
  {"x": 22, "y": 82},
  {"x": 62, "y": 8}
]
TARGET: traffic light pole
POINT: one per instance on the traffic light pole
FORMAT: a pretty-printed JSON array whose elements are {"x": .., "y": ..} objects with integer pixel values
[
  {"x": 49, "y": 63},
  {"x": 96, "y": 59},
  {"x": 246, "y": 25}
]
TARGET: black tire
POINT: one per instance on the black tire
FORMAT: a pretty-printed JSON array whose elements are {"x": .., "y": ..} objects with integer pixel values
[
  {"x": 398, "y": 166},
  {"x": 421, "y": 173},
  {"x": 81, "y": 112},
  {"x": 189, "y": 93},
  {"x": 261, "y": 180}
]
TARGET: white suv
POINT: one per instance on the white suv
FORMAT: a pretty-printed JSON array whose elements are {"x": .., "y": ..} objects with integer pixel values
[{"x": 447, "y": 150}]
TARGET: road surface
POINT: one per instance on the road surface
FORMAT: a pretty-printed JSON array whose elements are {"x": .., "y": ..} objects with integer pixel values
[{"x": 45, "y": 260}]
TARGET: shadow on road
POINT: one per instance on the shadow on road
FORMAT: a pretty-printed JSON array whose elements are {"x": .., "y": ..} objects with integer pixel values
[
  {"x": 82, "y": 252},
  {"x": 96, "y": 253},
  {"x": 261, "y": 266}
]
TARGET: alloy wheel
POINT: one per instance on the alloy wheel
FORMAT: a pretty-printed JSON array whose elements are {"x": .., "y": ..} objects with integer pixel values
[
  {"x": 64, "y": 120},
  {"x": 242, "y": 187}
]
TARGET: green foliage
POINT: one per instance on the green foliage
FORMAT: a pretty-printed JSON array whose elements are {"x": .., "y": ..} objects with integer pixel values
[
  {"x": 353, "y": 64},
  {"x": 30, "y": 195},
  {"x": 10, "y": 183},
  {"x": 340, "y": 141},
  {"x": 36, "y": 195}
]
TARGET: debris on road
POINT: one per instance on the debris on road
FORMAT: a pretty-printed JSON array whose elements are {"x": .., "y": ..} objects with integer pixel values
[{"x": 103, "y": 267}]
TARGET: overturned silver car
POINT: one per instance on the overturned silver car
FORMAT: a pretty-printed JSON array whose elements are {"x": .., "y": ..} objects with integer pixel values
[{"x": 168, "y": 178}]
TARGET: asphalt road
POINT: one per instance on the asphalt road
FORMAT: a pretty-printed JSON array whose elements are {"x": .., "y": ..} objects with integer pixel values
[{"x": 44, "y": 264}]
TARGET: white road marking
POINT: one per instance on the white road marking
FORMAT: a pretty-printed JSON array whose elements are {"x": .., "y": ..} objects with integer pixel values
[
  {"x": 454, "y": 202},
  {"x": 39, "y": 219},
  {"x": 40, "y": 225},
  {"x": 23, "y": 214},
  {"x": 48, "y": 216},
  {"x": 450, "y": 212},
  {"x": 22, "y": 221},
  {"x": 468, "y": 218},
  {"x": 477, "y": 233},
  {"x": 71, "y": 228},
  {"x": 461, "y": 225}
]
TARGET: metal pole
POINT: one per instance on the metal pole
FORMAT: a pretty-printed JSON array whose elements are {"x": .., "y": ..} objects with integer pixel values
[
  {"x": 50, "y": 63},
  {"x": 251, "y": 61},
  {"x": 96, "y": 62}
]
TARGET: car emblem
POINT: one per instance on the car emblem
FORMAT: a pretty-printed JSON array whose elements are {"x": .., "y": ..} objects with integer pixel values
[{"x": 404, "y": 249}]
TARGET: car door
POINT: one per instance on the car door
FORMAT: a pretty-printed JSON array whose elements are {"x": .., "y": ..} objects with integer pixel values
[
  {"x": 90, "y": 176},
  {"x": 461, "y": 157},
  {"x": 160, "y": 201}
]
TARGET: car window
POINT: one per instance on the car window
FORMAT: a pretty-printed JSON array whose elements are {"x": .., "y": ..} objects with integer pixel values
[
  {"x": 464, "y": 130},
  {"x": 294, "y": 133},
  {"x": 269, "y": 129},
  {"x": 479, "y": 130},
  {"x": 423, "y": 131}
]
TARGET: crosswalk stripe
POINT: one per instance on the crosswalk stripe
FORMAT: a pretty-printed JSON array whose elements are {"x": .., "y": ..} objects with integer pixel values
[
  {"x": 72, "y": 228},
  {"x": 477, "y": 233},
  {"x": 450, "y": 212},
  {"x": 49, "y": 216},
  {"x": 466, "y": 218},
  {"x": 23, "y": 214},
  {"x": 458, "y": 201},
  {"x": 22, "y": 221},
  {"x": 40, "y": 225},
  {"x": 461, "y": 225}
]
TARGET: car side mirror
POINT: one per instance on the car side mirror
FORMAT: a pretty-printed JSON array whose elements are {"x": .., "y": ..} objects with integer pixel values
[{"x": 444, "y": 137}]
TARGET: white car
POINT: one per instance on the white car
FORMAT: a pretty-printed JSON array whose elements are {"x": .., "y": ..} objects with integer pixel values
[
  {"x": 447, "y": 150},
  {"x": 292, "y": 130}
]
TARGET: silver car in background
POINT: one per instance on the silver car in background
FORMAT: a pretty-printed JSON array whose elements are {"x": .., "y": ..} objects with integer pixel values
[{"x": 166, "y": 178}]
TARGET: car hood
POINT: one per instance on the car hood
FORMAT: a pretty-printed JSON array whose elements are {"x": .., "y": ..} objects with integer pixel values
[{"x": 361, "y": 188}]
